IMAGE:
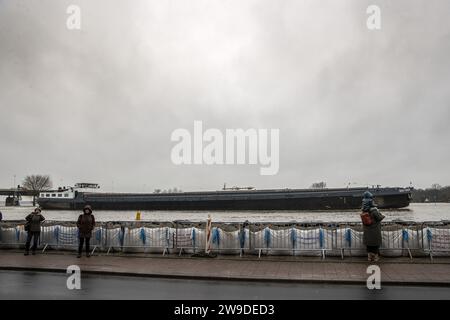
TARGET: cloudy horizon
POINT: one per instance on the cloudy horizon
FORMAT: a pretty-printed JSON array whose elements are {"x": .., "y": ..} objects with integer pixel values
[{"x": 99, "y": 104}]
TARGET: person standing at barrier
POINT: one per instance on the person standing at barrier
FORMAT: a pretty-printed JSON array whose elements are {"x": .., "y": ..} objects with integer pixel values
[
  {"x": 33, "y": 228},
  {"x": 85, "y": 224},
  {"x": 372, "y": 227}
]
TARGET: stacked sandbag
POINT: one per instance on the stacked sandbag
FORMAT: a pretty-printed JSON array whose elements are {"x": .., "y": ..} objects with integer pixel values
[
  {"x": 98, "y": 238},
  {"x": 158, "y": 240},
  {"x": 67, "y": 238},
  {"x": 412, "y": 239},
  {"x": 229, "y": 242},
  {"x": 146, "y": 239},
  {"x": 392, "y": 244},
  {"x": 9, "y": 238},
  {"x": 134, "y": 240},
  {"x": 262, "y": 240},
  {"x": 311, "y": 242},
  {"x": 332, "y": 236},
  {"x": 354, "y": 242},
  {"x": 340, "y": 240},
  {"x": 190, "y": 240},
  {"x": 22, "y": 235},
  {"x": 113, "y": 238},
  {"x": 49, "y": 236},
  {"x": 436, "y": 240}
]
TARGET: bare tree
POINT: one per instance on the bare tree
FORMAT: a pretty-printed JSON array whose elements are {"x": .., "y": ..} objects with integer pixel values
[
  {"x": 37, "y": 183},
  {"x": 319, "y": 185}
]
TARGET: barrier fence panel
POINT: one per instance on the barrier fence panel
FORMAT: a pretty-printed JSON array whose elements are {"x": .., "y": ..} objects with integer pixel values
[
  {"x": 355, "y": 240},
  {"x": 310, "y": 240},
  {"x": 11, "y": 236},
  {"x": 342, "y": 239},
  {"x": 226, "y": 237},
  {"x": 66, "y": 238},
  {"x": 190, "y": 237},
  {"x": 291, "y": 238},
  {"x": 436, "y": 238},
  {"x": 55, "y": 235},
  {"x": 148, "y": 237},
  {"x": 113, "y": 237},
  {"x": 400, "y": 239},
  {"x": 331, "y": 236},
  {"x": 230, "y": 238}
]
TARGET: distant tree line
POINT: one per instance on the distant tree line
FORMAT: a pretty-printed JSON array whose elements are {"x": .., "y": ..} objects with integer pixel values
[
  {"x": 435, "y": 193},
  {"x": 319, "y": 185},
  {"x": 174, "y": 190}
]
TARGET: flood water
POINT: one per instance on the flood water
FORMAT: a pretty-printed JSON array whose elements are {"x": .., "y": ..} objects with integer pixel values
[{"x": 418, "y": 212}]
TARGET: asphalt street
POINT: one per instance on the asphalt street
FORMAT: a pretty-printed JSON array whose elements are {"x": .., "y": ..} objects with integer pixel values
[{"x": 49, "y": 285}]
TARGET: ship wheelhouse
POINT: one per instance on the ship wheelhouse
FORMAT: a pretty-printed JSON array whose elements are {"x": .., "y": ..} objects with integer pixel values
[{"x": 58, "y": 194}]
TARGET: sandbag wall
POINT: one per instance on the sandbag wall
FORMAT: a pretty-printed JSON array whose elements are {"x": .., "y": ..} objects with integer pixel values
[
  {"x": 60, "y": 236},
  {"x": 303, "y": 239}
]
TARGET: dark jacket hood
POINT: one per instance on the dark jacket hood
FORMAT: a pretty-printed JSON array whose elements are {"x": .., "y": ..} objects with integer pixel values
[{"x": 87, "y": 207}]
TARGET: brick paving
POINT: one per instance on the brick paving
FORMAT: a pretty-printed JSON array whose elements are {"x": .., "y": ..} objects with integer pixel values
[{"x": 393, "y": 270}]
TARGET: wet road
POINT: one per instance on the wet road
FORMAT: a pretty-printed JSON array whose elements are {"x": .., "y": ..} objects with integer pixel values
[{"x": 46, "y": 285}]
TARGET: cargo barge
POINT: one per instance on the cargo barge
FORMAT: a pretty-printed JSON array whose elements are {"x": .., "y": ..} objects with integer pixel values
[{"x": 269, "y": 199}]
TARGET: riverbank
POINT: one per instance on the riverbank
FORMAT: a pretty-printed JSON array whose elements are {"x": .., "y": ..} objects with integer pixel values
[{"x": 417, "y": 212}]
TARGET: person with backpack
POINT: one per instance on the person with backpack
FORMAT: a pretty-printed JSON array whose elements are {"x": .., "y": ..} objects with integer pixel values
[
  {"x": 33, "y": 228},
  {"x": 371, "y": 219},
  {"x": 85, "y": 224}
]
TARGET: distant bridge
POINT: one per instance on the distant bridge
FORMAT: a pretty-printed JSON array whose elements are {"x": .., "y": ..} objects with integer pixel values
[{"x": 15, "y": 194}]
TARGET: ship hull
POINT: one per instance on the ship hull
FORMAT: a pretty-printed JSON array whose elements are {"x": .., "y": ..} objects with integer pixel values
[{"x": 327, "y": 199}]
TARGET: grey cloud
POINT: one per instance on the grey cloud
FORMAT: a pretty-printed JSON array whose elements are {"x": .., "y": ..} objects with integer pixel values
[{"x": 100, "y": 104}]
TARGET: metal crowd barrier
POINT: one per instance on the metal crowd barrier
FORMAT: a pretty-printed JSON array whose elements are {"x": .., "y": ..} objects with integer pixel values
[
  {"x": 230, "y": 238},
  {"x": 148, "y": 236},
  {"x": 399, "y": 238},
  {"x": 55, "y": 235},
  {"x": 189, "y": 236},
  {"x": 12, "y": 235},
  {"x": 436, "y": 238},
  {"x": 284, "y": 238},
  {"x": 226, "y": 237}
]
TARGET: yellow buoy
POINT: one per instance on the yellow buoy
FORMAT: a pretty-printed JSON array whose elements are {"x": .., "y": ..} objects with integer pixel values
[{"x": 138, "y": 215}]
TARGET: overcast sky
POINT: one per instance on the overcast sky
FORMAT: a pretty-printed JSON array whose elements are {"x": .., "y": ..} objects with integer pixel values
[{"x": 99, "y": 104}]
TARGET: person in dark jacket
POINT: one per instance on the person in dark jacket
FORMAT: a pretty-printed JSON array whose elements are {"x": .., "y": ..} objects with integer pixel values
[
  {"x": 85, "y": 224},
  {"x": 33, "y": 226},
  {"x": 372, "y": 233}
]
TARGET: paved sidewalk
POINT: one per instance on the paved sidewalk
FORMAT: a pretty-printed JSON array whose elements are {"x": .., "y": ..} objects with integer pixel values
[{"x": 393, "y": 271}]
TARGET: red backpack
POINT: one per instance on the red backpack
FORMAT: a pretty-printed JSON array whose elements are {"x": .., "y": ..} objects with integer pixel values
[{"x": 366, "y": 218}]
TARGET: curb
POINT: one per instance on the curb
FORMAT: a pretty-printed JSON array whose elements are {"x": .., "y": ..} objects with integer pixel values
[{"x": 265, "y": 258}]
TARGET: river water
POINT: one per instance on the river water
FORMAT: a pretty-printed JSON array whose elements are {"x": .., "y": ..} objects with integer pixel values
[{"x": 418, "y": 212}]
